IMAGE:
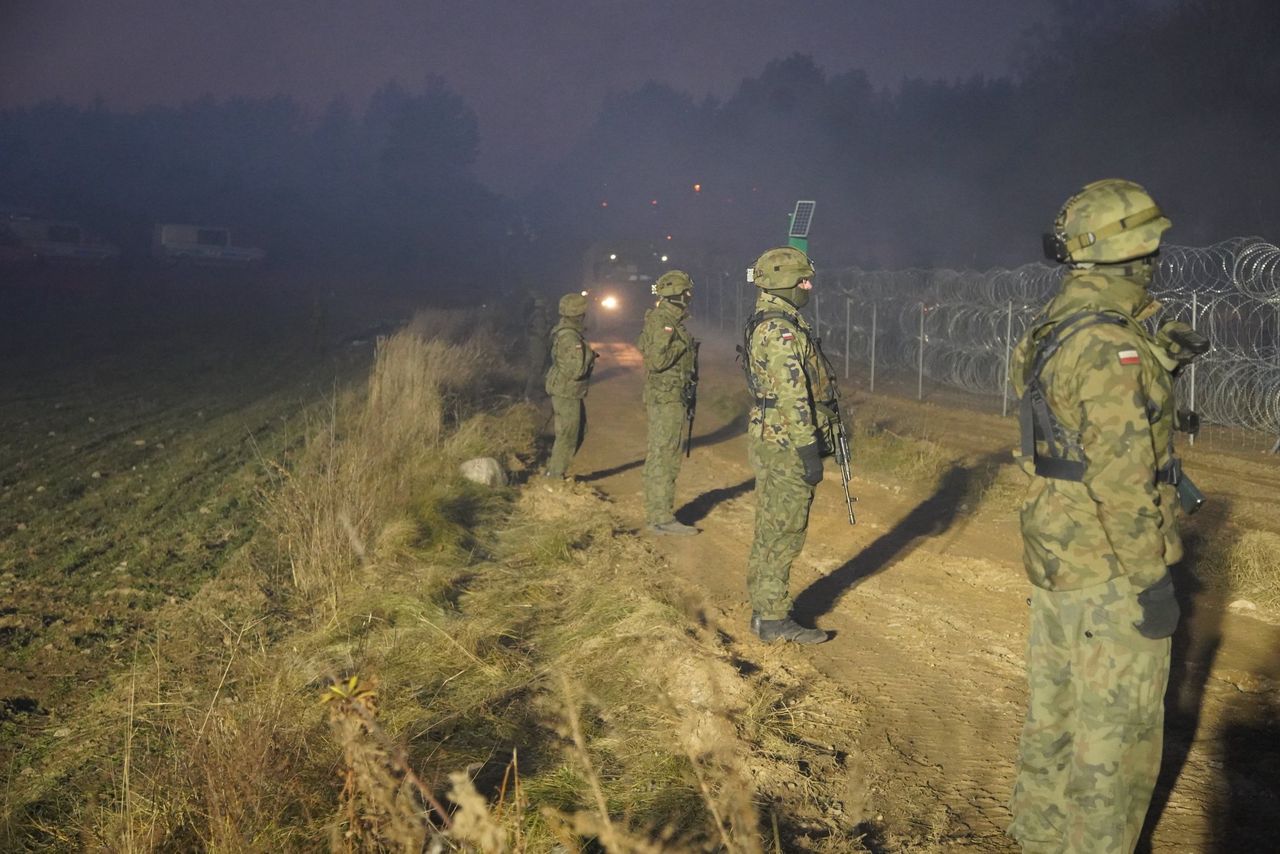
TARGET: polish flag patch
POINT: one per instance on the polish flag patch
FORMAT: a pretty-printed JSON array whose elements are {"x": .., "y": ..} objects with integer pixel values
[
  {"x": 1130, "y": 357},
  {"x": 787, "y": 336},
  {"x": 667, "y": 329}
]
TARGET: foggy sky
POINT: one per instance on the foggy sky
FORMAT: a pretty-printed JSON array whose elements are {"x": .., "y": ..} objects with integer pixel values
[{"x": 534, "y": 71}]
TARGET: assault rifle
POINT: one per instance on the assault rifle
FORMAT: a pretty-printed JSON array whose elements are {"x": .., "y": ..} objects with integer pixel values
[
  {"x": 841, "y": 436},
  {"x": 691, "y": 398},
  {"x": 839, "y": 433}
]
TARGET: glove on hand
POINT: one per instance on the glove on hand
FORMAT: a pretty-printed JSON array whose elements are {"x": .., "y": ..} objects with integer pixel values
[
  {"x": 811, "y": 456},
  {"x": 1160, "y": 610}
]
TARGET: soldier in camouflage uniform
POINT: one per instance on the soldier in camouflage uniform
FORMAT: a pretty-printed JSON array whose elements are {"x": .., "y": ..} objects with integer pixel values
[
  {"x": 668, "y": 351},
  {"x": 1098, "y": 529},
  {"x": 572, "y": 361},
  {"x": 791, "y": 383},
  {"x": 537, "y": 326}
]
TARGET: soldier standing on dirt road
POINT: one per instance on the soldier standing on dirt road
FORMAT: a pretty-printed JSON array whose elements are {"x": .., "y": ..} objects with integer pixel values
[
  {"x": 1098, "y": 530},
  {"x": 668, "y": 351},
  {"x": 572, "y": 361},
  {"x": 537, "y": 327},
  {"x": 789, "y": 381}
]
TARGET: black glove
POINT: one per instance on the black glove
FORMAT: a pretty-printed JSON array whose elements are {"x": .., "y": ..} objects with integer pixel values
[
  {"x": 811, "y": 456},
  {"x": 1160, "y": 610}
]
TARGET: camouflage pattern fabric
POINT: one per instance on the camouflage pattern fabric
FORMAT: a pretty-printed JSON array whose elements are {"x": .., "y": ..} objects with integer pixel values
[
  {"x": 790, "y": 380},
  {"x": 667, "y": 349},
  {"x": 571, "y": 360},
  {"x": 571, "y": 428},
  {"x": 789, "y": 377},
  {"x": 782, "y": 521},
  {"x": 1090, "y": 748},
  {"x": 537, "y": 346},
  {"x": 662, "y": 460},
  {"x": 1112, "y": 391}
]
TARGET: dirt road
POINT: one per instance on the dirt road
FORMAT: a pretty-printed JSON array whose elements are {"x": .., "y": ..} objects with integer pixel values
[{"x": 927, "y": 601}]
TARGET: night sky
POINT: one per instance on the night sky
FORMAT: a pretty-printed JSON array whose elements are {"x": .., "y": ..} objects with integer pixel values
[{"x": 534, "y": 71}]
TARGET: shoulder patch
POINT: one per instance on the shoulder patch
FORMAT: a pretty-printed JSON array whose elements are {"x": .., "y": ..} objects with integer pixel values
[
  {"x": 668, "y": 329},
  {"x": 787, "y": 335},
  {"x": 1129, "y": 357}
]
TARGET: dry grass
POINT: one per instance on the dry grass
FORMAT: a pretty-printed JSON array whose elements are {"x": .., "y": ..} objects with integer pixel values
[
  {"x": 456, "y": 669},
  {"x": 1243, "y": 564}
]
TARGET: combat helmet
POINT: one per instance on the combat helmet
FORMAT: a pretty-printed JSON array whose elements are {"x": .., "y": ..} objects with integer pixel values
[
  {"x": 781, "y": 268},
  {"x": 1108, "y": 222},
  {"x": 573, "y": 305},
  {"x": 672, "y": 283}
]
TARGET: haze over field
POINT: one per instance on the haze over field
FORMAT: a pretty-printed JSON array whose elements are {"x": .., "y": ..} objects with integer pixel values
[{"x": 500, "y": 138}]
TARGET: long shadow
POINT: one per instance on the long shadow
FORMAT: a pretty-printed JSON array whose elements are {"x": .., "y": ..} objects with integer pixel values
[
  {"x": 731, "y": 430},
  {"x": 601, "y": 474},
  {"x": 700, "y": 507},
  {"x": 727, "y": 431},
  {"x": 1247, "y": 816},
  {"x": 934, "y": 516},
  {"x": 1195, "y": 646}
]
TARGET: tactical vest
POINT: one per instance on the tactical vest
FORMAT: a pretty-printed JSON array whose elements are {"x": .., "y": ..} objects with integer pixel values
[
  {"x": 1038, "y": 423},
  {"x": 559, "y": 381},
  {"x": 825, "y": 406}
]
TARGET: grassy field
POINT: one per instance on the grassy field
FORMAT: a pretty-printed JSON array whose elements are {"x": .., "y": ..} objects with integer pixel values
[{"x": 280, "y": 620}]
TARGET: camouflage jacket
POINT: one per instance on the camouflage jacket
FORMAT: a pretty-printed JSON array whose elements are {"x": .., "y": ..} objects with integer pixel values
[
  {"x": 1110, "y": 389},
  {"x": 667, "y": 348},
  {"x": 572, "y": 360},
  {"x": 787, "y": 376}
]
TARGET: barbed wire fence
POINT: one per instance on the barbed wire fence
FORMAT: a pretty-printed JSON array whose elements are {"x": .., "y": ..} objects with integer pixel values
[{"x": 957, "y": 328}]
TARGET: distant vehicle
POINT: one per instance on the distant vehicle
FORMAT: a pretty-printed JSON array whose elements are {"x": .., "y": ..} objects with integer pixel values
[
  {"x": 25, "y": 238},
  {"x": 175, "y": 243}
]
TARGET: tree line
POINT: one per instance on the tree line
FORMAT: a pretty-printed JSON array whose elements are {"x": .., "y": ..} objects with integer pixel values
[{"x": 962, "y": 173}]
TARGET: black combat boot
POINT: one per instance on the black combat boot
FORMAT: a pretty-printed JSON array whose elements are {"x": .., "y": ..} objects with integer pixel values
[{"x": 785, "y": 629}]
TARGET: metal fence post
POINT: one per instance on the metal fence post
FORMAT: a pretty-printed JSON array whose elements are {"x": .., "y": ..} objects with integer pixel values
[
  {"x": 720, "y": 318},
  {"x": 874, "y": 305},
  {"x": 920, "y": 366},
  {"x": 848, "y": 313},
  {"x": 1191, "y": 439},
  {"x": 1008, "y": 350}
]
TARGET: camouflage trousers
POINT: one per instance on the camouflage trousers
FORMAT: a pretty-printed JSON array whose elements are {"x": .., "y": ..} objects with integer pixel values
[
  {"x": 662, "y": 459},
  {"x": 1091, "y": 743},
  {"x": 571, "y": 428},
  {"x": 536, "y": 359},
  {"x": 782, "y": 520}
]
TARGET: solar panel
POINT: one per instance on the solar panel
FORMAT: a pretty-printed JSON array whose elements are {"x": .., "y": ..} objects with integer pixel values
[{"x": 801, "y": 219}]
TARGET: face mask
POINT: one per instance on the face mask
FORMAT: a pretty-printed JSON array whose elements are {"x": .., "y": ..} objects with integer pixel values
[
  {"x": 681, "y": 299},
  {"x": 799, "y": 297}
]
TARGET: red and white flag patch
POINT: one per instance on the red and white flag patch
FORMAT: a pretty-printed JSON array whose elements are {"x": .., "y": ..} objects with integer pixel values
[
  {"x": 667, "y": 329},
  {"x": 787, "y": 336},
  {"x": 1130, "y": 357}
]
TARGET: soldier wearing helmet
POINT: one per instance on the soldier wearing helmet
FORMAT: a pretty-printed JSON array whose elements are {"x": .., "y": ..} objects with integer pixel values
[
  {"x": 669, "y": 362},
  {"x": 572, "y": 361},
  {"x": 791, "y": 384},
  {"x": 1098, "y": 528}
]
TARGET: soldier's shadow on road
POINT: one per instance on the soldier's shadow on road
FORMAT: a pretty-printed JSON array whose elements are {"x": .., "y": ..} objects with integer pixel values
[
  {"x": 1195, "y": 647},
  {"x": 932, "y": 517},
  {"x": 729, "y": 430},
  {"x": 700, "y": 507},
  {"x": 720, "y": 434}
]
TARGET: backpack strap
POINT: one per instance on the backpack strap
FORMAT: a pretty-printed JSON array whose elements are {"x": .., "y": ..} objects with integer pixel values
[{"x": 1036, "y": 420}]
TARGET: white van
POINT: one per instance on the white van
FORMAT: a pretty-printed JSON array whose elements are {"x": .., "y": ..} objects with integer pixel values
[
  {"x": 175, "y": 243},
  {"x": 47, "y": 240}
]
